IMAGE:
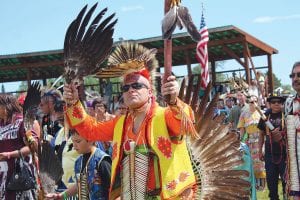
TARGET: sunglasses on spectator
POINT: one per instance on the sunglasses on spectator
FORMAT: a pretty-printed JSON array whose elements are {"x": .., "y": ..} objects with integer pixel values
[
  {"x": 252, "y": 101},
  {"x": 273, "y": 102},
  {"x": 135, "y": 86},
  {"x": 293, "y": 75}
]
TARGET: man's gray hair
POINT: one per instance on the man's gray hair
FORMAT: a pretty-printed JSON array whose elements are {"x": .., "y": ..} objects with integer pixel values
[{"x": 295, "y": 65}]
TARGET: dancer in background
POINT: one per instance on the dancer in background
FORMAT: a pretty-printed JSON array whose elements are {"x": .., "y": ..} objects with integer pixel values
[
  {"x": 12, "y": 147},
  {"x": 292, "y": 112}
]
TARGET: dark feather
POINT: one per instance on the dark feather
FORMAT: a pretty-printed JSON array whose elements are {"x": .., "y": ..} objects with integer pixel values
[
  {"x": 83, "y": 25},
  {"x": 130, "y": 56},
  {"x": 186, "y": 19},
  {"x": 182, "y": 89},
  {"x": 93, "y": 25},
  {"x": 50, "y": 168},
  {"x": 169, "y": 23},
  {"x": 215, "y": 153},
  {"x": 179, "y": 24},
  {"x": 204, "y": 123},
  {"x": 203, "y": 103},
  {"x": 86, "y": 48},
  {"x": 196, "y": 93},
  {"x": 31, "y": 104}
]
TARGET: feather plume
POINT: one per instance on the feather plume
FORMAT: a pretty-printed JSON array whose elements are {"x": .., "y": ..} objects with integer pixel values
[
  {"x": 179, "y": 16},
  {"x": 51, "y": 170},
  {"x": 186, "y": 19},
  {"x": 179, "y": 24},
  {"x": 182, "y": 89},
  {"x": 169, "y": 23},
  {"x": 201, "y": 126},
  {"x": 130, "y": 57},
  {"x": 85, "y": 50},
  {"x": 31, "y": 104},
  {"x": 215, "y": 151},
  {"x": 203, "y": 103},
  {"x": 196, "y": 91}
]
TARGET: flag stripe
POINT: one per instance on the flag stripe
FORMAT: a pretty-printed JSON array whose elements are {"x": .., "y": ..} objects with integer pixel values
[{"x": 202, "y": 53}]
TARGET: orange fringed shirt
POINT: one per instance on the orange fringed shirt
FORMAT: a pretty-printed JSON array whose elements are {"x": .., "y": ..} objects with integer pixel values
[{"x": 92, "y": 130}]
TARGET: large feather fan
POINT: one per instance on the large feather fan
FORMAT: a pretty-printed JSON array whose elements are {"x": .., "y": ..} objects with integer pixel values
[
  {"x": 85, "y": 50},
  {"x": 179, "y": 16},
  {"x": 215, "y": 150},
  {"x": 50, "y": 168},
  {"x": 31, "y": 104}
]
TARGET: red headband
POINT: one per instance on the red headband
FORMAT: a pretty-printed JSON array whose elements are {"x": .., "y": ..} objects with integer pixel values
[{"x": 143, "y": 72}]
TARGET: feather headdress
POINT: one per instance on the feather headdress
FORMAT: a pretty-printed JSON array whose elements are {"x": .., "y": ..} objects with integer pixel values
[
  {"x": 130, "y": 57},
  {"x": 85, "y": 50},
  {"x": 179, "y": 16}
]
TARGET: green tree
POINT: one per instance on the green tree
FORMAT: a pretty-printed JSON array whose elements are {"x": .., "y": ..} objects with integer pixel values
[
  {"x": 22, "y": 86},
  {"x": 219, "y": 76},
  {"x": 276, "y": 81},
  {"x": 92, "y": 83},
  {"x": 196, "y": 69},
  {"x": 287, "y": 87}
]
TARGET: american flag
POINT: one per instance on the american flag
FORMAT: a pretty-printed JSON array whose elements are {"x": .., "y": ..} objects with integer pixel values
[{"x": 202, "y": 53}]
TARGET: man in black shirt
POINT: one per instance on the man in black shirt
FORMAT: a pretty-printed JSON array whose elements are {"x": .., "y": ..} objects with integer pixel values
[{"x": 275, "y": 153}]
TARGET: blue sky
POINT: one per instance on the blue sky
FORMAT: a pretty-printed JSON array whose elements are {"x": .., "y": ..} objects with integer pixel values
[{"x": 32, "y": 25}]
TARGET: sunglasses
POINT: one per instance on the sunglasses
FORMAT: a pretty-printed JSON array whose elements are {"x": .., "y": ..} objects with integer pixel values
[
  {"x": 293, "y": 75},
  {"x": 136, "y": 86},
  {"x": 273, "y": 102},
  {"x": 252, "y": 101}
]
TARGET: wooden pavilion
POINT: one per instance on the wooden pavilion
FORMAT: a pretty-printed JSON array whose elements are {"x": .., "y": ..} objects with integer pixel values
[{"x": 226, "y": 43}]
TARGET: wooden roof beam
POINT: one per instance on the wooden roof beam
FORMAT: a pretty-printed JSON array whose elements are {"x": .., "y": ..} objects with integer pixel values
[
  {"x": 260, "y": 45},
  {"x": 32, "y": 65},
  {"x": 210, "y": 44},
  {"x": 233, "y": 55}
]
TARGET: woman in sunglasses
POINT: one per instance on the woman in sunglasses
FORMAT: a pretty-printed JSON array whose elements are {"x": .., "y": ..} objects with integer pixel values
[
  {"x": 292, "y": 112},
  {"x": 148, "y": 142}
]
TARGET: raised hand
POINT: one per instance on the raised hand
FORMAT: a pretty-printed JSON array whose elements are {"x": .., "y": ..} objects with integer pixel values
[
  {"x": 170, "y": 88},
  {"x": 70, "y": 94}
]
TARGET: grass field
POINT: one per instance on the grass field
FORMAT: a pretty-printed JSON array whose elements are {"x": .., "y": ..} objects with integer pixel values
[{"x": 263, "y": 195}]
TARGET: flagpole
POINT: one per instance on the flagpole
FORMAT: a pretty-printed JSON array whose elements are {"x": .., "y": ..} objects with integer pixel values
[{"x": 167, "y": 53}]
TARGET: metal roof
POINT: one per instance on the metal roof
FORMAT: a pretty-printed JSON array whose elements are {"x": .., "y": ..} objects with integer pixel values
[{"x": 49, "y": 64}]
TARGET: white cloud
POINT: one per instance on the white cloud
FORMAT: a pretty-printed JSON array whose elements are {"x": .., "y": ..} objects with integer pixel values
[
  {"x": 269, "y": 19},
  {"x": 132, "y": 8}
]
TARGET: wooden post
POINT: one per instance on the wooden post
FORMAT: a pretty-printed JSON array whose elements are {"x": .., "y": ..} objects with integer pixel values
[
  {"x": 213, "y": 72},
  {"x": 167, "y": 52},
  {"x": 188, "y": 63},
  {"x": 270, "y": 75}
]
